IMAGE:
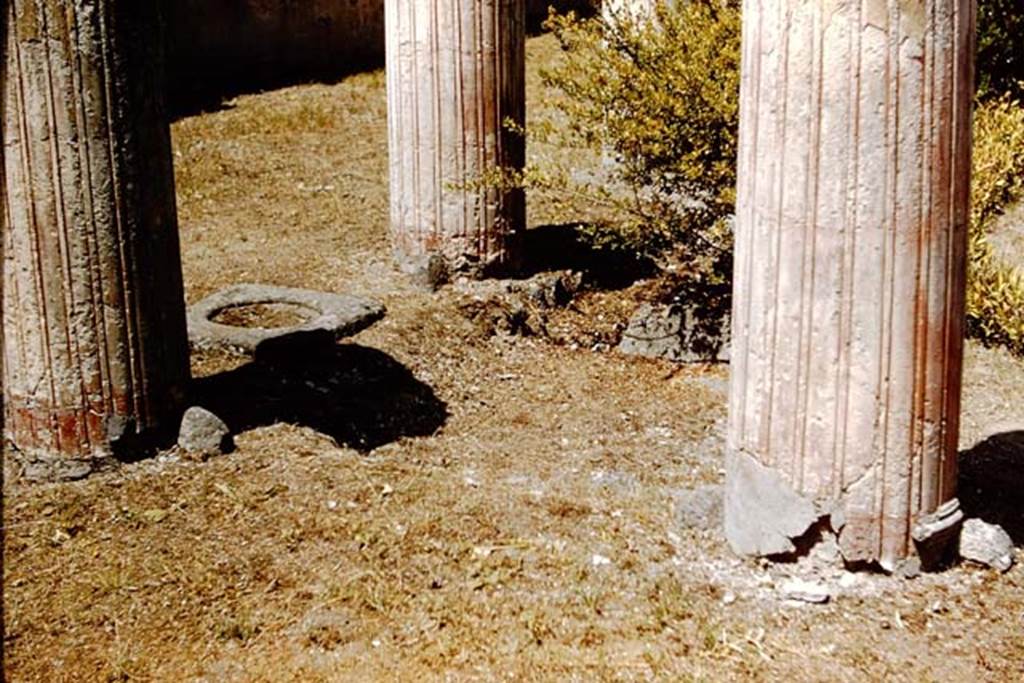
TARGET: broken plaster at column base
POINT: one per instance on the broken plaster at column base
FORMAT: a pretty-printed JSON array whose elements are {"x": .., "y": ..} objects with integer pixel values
[
  {"x": 43, "y": 468},
  {"x": 125, "y": 442},
  {"x": 432, "y": 270},
  {"x": 765, "y": 517}
]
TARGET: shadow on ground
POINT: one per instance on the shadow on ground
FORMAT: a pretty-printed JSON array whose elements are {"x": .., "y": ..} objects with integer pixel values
[
  {"x": 219, "y": 49},
  {"x": 193, "y": 91},
  {"x": 361, "y": 397},
  {"x": 992, "y": 482},
  {"x": 563, "y": 247}
]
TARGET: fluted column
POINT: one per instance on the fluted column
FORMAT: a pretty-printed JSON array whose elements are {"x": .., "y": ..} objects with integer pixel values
[
  {"x": 854, "y": 160},
  {"x": 455, "y": 74},
  {"x": 96, "y": 356}
]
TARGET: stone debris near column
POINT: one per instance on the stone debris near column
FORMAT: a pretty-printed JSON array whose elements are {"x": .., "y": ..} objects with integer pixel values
[
  {"x": 203, "y": 434},
  {"x": 684, "y": 333},
  {"x": 801, "y": 590},
  {"x": 986, "y": 544}
]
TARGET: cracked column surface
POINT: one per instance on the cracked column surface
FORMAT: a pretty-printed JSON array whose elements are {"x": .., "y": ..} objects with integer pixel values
[
  {"x": 455, "y": 75},
  {"x": 854, "y": 160},
  {"x": 95, "y": 348}
]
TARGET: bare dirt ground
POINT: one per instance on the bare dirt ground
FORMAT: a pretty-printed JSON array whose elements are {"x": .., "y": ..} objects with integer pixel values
[{"x": 440, "y": 500}]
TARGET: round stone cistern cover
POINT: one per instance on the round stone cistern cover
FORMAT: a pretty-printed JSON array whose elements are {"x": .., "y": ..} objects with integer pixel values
[{"x": 338, "y": 314}]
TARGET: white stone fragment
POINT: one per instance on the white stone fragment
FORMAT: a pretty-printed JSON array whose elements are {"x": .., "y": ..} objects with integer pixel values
[
  {"x": 806, "y": 591},
  {"x": 987, "y": 544}
]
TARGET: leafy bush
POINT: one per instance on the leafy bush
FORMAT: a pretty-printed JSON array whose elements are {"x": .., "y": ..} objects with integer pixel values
[
  {"x": 998, "y": 174},
  {"x": 1000, "y": 63},
  {"x": 995, "y": 290},
  {"x": 661, "y": 99},
  {"x": 640, "y": 91}
]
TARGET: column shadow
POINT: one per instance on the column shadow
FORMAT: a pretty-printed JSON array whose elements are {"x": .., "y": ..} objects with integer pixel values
[
  {"x": 991, "y": 485},
  {"x": 361, "y": 397},
  {"x": 563, "y": 247},
  {"x": 219, "y": 49}
]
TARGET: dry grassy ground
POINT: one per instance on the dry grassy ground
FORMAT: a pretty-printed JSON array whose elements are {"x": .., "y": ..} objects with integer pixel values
[{"x": 479, "y": 507}]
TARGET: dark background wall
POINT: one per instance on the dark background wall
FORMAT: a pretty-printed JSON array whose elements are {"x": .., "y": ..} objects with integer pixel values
[{"x": 218, "y": 48}]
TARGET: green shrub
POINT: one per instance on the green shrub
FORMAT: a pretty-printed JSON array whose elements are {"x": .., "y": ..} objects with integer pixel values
[
  {"x": 1000, "y": 62},
  {"x": 995, "y": 290},
  {"x": 639, "y": 93},
  {"x": 998, "y": 174}
]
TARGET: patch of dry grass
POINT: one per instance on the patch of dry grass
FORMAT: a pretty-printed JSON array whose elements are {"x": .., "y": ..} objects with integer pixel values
[{"x": 532, "y": 536}]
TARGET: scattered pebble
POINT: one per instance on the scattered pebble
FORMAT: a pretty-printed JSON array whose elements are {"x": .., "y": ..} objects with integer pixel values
[
  {"x": 600, "y": 561},
  {"x": 909, "y": 568},
  {"x": 849, "y": 580},
  {"x": 203, "y": 434},
  {"x": 987, "y": 544},
  {"x": 806, "y": 591}
]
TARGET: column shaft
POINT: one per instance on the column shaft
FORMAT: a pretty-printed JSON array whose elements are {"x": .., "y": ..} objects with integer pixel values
[
  {"x": 854, "y": 163},
  {"x": 455, "y": 74},
  {"x": 93, "y": 310}
]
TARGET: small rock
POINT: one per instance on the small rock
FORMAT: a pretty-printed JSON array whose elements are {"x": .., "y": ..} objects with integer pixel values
[
  {"x": 849, "y": 580},
  {"x": 600, "y": 561},
  {"x": 909, "y": 568},
  {"x": 826, "y": 552},
  {"x": 436, "y": 274},
  {"x": 701, "y": 508},
  {"x": 553, "y": 290},
  {"x": 987, "y": 544},
  {"x": 203, "y": 433},
  {"x": 806, "y": 591},
  {"x": 693, "y": 329},
  {"x": 44, "y": 469}
]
